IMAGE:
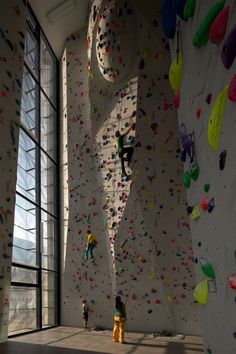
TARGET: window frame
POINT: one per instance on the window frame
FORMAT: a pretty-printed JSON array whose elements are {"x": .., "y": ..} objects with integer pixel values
[{"x": 36, "y": 139}]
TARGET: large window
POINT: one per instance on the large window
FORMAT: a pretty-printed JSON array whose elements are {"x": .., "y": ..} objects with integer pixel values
[{"x": 34, "y": 274}]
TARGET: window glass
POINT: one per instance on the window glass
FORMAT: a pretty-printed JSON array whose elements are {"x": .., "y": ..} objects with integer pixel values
[
  {"x": 31, "y": 51},
  {"x": 22, "y": 275},
  {"x": 48, "y": 241},
  {"x": 23, "y": 309},
  {"x": 48, "y": 71},
  {"x": 26, "y": 169},
  {"x": 24, "y": 236},
  {"x": 47, "y": 184},
  {"x": 48, "y": 131},
  {"x": 29, "y": 102}
]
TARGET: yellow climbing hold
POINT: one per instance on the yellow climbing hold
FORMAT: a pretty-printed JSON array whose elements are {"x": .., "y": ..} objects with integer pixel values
[
  {"x": 175, "y": 72},
  {"x": 195, "y": 215},
  {"x": 216, "y": 119},
  {"x": 200, "y": 292}
]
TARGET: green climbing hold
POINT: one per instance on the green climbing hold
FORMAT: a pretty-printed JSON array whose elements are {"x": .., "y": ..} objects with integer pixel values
[
  {"x": 187, "y": 179},
  {"x": 207, "y": 268},
  {"x": 202, "y": 34},
  {"x": 235, "y": 254},
  {"x": 206, "y": 187},
  {"x": 94, "y": 109},
  {"x": 195, "y": 170},
  {"x": 189, "y": 8},
  {"x": 209, "y": 351}
]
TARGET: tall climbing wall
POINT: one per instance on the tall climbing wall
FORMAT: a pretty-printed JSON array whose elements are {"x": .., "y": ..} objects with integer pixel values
[
  {"x": 144, "y": 251},
  {"x": 12, "y": 29},
  {"x": 206, "y": 115}
]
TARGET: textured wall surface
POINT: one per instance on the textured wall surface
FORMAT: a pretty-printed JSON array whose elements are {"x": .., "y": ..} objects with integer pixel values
[
  {"x": 144, "y": 250},
  {"x": 213, "y": 234},
  {"x": 12, "y": 29}
]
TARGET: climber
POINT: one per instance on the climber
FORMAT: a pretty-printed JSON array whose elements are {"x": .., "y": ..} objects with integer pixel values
[
  {"x": 119, "y": 321},
  {"x": 91, "y": 243},
  {"x": 124, "y": 150}
]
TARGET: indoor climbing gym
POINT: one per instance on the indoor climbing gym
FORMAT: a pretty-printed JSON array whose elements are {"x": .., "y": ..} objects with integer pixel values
[{"x": 118, "y": 177}]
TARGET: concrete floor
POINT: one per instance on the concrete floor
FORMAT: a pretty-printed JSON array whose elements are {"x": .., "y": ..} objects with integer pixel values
[{"x": 72, "y": 340}]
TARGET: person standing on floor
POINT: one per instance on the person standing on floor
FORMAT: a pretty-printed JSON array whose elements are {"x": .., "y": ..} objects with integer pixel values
[
  {"x": 85, "y": 310},
  {"x": 119, "y": 321}
]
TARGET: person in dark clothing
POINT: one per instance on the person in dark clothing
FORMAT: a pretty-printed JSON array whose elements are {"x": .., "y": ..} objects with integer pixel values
[
  {"x": 124, "y": 150},
  {"x": 119, "y": 321}
]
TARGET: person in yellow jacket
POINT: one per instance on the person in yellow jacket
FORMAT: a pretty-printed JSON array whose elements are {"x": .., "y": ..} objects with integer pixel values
[
  {"x": 119, "y": 321},
  {"x": 91, "y": 243}
]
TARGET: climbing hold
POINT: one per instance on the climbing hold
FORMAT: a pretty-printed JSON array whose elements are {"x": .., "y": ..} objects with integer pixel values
[
  {"x": 207, "y": 268},
  {"x": 185, "y": 139},
  {"x": 222, "y": 159},
  {"x": 180, "y": 5},
  {"x": 232, "y": 281},
  {"x": 218, "y": 28},
  {"x": 195, "y": 170},
  {"x": 228, "y": 52},
  {"x": 208, "y": 98},
  {"x": 204, "y": 203},
  {"x": 211, "y": 205},
  {"x": 169, "y": 18},
  {"x": 189, "y": 8},
  {"x": 175, "y": 72},
  {"x": 200, "y": 292},
  {"x": 189, "y": 209},
  {"x": 187, "y": 179},
  {"x": 206, "y": 187},
  {"x": 183, "y": 155},
  {"x": 232, "y": 89},
  {"x": 216, "y": 119},
  {"x": 201, "y": 35},
  {"x": 198, "y": 112},
  {"x": 195, "y": 215},
  {"x": 177, "y": 99}
]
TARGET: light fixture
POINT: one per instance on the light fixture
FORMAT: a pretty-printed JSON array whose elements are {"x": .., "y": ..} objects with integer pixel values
[{"x": 61, "y": 10}]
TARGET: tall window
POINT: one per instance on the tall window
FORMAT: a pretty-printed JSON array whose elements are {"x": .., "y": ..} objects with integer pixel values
[{"x": 34, "y": 282}]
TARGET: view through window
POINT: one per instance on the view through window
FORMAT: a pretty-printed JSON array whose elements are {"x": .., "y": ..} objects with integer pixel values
[{"x": 34, "y": 274}]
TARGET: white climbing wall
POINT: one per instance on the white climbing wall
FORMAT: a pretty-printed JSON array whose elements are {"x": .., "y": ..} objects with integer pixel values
[
  {"x": 213, "y": 234},
  {"x": 12, "y": 29},
  {"x": 144, "y": 250}
]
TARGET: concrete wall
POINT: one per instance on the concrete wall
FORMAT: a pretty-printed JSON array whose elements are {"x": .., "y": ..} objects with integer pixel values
[
  {"x": 213, "y": 235},
  {"x": 145, "y": 250},
  {"x": 12, "y": 29}
]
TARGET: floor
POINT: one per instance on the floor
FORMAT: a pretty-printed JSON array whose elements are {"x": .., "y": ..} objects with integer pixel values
[{"x": 73, "y": 340}]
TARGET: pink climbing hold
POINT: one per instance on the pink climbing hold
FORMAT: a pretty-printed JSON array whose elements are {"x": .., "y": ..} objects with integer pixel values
[
  {"x": 232, "y": 281},
  {"x": 177, "y": 99},
  {"x": 218, "y": 28},
  {"x": 232, "y": 89}
]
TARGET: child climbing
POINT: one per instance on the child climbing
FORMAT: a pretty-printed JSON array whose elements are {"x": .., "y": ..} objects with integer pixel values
[
  {"x": 124, "y": 150},
  {"x": 85, "y": 309},
  {"x": 91, "y": 243},
  {"x": 119, "y": 321}
]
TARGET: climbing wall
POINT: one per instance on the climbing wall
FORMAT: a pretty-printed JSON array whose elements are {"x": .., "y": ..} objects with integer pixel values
[
  {"x": 144, "y": 250},
  {"x": 211, "y": 198},
  {"x": 12, "y": 29}
]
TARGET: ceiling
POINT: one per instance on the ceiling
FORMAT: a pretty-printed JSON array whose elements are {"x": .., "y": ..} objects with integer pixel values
[{"x": 69, "y": 17}]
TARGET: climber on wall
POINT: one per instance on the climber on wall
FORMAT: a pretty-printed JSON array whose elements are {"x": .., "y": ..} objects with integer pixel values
[
  {"x": 124, "y": 150},
  {"x": 91, "y": 243}
]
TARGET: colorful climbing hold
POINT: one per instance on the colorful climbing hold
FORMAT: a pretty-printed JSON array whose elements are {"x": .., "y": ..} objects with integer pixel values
[
  {"x": 228, "y": 52},
  {"x": 207, "y": 268},
  {"x": 219, "y": 26},
  {"x": 200, "y": 292},
  {"x": 175, "y": 72},
  {"x": 216, "y": 119},
  {"x": 201, "y": 35}
]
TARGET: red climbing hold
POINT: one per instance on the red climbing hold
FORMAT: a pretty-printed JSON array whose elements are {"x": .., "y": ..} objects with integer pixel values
[
  {"x": 218, "y": 28},
  {"x": 198, "y": 112},
  {"x": 232, "y": 89}
]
